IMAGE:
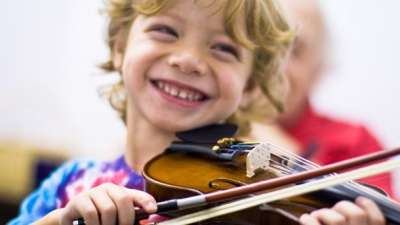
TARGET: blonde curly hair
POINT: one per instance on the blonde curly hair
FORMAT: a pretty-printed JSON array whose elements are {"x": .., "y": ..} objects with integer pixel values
[{"x": 268, "y": 36}]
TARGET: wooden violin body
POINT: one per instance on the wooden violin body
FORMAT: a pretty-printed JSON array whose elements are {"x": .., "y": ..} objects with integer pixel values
[
  {"x": 180, "y": 175},
  {"x": 188, "y": 169}
]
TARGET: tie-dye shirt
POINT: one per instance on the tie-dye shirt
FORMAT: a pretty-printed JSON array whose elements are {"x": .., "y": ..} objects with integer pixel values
[{"x": 69, "y": 180}]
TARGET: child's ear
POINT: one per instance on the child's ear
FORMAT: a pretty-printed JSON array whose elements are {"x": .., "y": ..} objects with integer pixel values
[
  {"x": 118, "y": 53},
  {"x": 117, "y": 60},
  {"x": 249, "y": 94}
]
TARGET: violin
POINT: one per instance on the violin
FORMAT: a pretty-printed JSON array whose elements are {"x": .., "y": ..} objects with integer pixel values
[
  {"x": 203, "y": 163},
  {"x": 259, "y": 182}
]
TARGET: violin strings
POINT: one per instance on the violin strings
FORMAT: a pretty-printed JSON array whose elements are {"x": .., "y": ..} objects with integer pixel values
[
  {"x": 390, "y": 207},
  {"x": 287, "y": 162},
  {"x": 304, "y": 164},
  {"x": 299, "y": 162}
]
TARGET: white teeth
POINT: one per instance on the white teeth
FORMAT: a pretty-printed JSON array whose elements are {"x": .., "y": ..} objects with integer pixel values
[
  {"x": 174, "y": 92},
  {"x": 167, "y": 88},
  {"x": 180, "y": 93}
]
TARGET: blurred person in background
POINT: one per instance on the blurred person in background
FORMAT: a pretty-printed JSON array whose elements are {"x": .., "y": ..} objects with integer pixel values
[{"x": 315, "y": 136}]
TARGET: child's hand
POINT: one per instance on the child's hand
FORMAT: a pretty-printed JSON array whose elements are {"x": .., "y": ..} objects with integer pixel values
[
  {"x": 107, "y": 204},
  {"x": 362, "y": 212}
]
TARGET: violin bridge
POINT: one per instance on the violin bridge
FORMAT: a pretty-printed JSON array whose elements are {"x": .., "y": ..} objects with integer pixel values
[{"x": 258, "y": 159}]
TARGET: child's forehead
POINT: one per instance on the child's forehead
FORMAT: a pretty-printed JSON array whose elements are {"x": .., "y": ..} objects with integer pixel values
[
  {"x": 212, "y": 5},
  {"x": 212, "y": 12},
  {"x": 183, "y": 8}
]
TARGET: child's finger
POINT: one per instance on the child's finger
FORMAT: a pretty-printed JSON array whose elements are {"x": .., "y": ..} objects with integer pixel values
[
  {"x": 105, "y": 206},
  {"x": 329, "y": 217},
  {"x": 124, "y": 203},
  {"x": 306, "y": 219},
  {"x": 374, "y": 214},
  {"x": 68, "y": 215},
  {"x": 353, "y": 213},
  {"x": 146, "y": 201},
  {"x": 81, "y": 206}
]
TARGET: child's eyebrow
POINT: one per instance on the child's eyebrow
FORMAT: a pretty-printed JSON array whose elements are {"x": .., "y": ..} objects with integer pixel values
[
  {"x": 173, "y": 15},
  {"x": 178, "y": 17}
]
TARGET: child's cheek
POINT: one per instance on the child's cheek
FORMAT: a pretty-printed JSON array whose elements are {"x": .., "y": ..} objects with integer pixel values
[
  {"x": 133, "y": 79},
  {"x": 233, "y": 81}
]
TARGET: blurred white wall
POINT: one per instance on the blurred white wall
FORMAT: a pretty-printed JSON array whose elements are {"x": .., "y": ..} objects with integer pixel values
[
  {"x": 363, "y": 84},
  {"x": 48, "y": 89},
  {"x": 49, "y": 49}
]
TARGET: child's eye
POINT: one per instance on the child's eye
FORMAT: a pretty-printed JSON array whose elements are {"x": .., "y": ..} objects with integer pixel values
[
  {"x": 167, "y": 30},
  {"x": 163, "y": 32},
  {"x": 227, "y": 49}
]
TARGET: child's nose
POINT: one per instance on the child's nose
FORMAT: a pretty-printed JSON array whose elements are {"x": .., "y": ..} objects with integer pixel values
[{"x": 188, "y": 62}]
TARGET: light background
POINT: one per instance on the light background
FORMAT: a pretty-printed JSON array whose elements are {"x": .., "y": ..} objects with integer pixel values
[{"x": 49, "y": 49}]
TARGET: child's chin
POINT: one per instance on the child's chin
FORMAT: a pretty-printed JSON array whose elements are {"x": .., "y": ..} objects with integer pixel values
[{"x": 176, "y": 126}]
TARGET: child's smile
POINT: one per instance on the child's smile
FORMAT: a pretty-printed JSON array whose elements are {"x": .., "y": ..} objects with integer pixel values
[
  {"x": 179, "y": 93},
  {"x": 181, "y": 65}
]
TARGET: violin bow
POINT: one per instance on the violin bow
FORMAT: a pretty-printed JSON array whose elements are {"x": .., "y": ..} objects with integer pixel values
[
  {"x": 201, "y": 200},
  {"x": 284, "y": 193}
]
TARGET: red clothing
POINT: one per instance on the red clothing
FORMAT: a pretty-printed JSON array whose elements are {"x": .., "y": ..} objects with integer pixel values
[{"x": 334, "y": 140}]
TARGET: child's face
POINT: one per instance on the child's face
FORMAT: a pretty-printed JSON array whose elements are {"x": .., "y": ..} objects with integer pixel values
[{"x": 180, "y": 68}]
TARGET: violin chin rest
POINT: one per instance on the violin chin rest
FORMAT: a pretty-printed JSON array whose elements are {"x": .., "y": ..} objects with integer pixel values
[{"x": 209, "y": 134}]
